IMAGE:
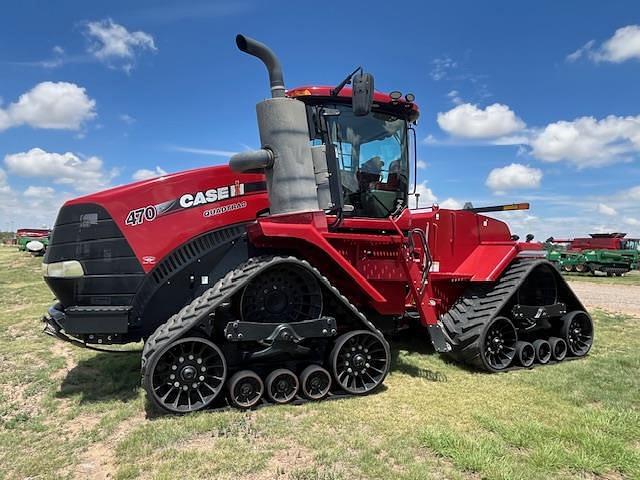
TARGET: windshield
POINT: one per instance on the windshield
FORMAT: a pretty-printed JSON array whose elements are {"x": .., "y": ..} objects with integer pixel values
[
  {"x": 372, "y": 159},
  {"x": 632, "y": 245}
]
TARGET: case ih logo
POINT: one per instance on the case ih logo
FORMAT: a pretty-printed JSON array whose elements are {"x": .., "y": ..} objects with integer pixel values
[
  {"x": 212, "y": 195},
  {"x": 190, "y": 200}
]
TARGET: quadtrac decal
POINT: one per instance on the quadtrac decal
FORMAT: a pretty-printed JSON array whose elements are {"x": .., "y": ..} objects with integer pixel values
[{"x": 196, "y": 199}]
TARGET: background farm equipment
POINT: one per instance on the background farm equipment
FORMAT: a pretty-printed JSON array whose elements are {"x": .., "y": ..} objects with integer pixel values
[
  {"x": 612, "y": 254},
  {"x": 24, "y": 236},
  {"x": 276, "y": 277}
]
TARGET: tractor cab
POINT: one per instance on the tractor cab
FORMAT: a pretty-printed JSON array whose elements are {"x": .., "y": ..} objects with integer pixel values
[
  {"x": 631, "y": 244},
  {"x": 367, "y": 152}
]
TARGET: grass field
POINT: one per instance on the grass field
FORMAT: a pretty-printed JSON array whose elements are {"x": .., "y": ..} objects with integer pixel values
[
  {"x": 72, "y": 413},
  {"x": 631, "y": 278}
]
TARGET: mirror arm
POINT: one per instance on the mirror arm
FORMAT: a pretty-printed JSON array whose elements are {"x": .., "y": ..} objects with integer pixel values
[{"x": 344, "y": 82}]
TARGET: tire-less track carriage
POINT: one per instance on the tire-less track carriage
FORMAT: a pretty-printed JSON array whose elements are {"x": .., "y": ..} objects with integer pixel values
[{"x": 273, "y": 279}]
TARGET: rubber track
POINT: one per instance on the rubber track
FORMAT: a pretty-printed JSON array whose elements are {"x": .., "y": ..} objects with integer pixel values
[
  {"x": 614, "y": 270},
  {"x": 464, "y": 322},
  {"x": 200, "y": 309}
]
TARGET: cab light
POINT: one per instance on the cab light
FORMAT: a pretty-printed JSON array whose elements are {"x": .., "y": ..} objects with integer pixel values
[
  {"x": 66, "y": 269},
  {"x": 301, "y": 93}
]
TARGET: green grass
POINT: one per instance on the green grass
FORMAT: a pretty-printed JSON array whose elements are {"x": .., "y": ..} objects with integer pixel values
[
  {"x": 631, "y": 278},
  {"x": 72, "y": 413}
]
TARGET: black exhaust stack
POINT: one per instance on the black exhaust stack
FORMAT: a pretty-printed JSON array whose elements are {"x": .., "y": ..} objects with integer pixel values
[{"x": 264, "y": 53}]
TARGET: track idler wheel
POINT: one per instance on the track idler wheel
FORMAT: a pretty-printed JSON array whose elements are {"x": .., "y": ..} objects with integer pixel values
[
  {"x": 525, "y": 354},
  {"x": 315, "y": 382},
  {"x": 187, "y": 375},
  {"x": 245, "y": 389},
  {"x": 360, "y": 361},
  {"x": 543, "y": 351},
  {"x": 498, "y": 344},
  {"x": 577, "y": 331},
  {"x": 558, "y": 348},
  {"x": 282, "y": 385}
]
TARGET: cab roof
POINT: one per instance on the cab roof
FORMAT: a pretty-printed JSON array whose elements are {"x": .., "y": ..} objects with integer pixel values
[{"x": 381, "y": 101}]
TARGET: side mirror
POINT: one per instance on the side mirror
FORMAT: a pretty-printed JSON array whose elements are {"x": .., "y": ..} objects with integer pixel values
[{"x": 362, "y": 94}]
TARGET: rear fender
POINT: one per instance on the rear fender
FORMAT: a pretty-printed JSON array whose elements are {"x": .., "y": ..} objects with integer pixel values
[{"x": 489, "y": 259}]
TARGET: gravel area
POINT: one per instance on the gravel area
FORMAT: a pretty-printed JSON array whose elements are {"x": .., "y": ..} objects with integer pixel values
[{"x": 613, "y": 298}]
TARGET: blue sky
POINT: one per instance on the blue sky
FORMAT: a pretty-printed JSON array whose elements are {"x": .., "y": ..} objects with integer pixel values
[{"x": 520, "y": 101}]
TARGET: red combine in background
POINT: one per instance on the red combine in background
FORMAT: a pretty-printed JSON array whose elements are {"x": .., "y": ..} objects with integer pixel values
[{"x": 278, "y": 276}]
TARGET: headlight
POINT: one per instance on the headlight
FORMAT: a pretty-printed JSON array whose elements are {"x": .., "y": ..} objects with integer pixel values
[{"x": 66, "y": 269}]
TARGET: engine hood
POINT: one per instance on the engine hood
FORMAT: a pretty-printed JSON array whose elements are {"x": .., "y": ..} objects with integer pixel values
[{"x": 156, "y": 216}]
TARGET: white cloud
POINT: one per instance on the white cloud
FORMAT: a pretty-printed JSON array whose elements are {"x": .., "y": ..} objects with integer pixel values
[
  {"x": 634, "y": 193},
  {"x": 451, "y": 203},
  {"x": 622, "y": 46},
  {"x": 144, "y": 174},
  {"x": 421, "y": 164},
  {"x": 63, "y": 168},
  {"x": 454, "y": 96},
  {"x": 128, "y": 119},
  {"x": 204, "y": 151},
  {"x": 606, "y": 210},
  {"x": 430, "y": 140},
  {"x": 38, "y": 192},
  {"x": 469, "y": 121},
  {"x": 514, "y": 176},
  {"x": 441, "y": 67},
  {"x": 583, "y": 50},
  {"x": 426, "y": 196},
  {"x": 55, "y": 105},
  {"x": 634, "y": 222},
  {"x": 34, "y": 207},
  {"x": 4, "y": 186},
  {"x": 588, "y": 142},
  {"x": 115, "y": 45}
]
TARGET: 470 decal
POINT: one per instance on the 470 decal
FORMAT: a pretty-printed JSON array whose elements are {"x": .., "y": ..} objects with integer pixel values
[{"x": 141, "y": 215}]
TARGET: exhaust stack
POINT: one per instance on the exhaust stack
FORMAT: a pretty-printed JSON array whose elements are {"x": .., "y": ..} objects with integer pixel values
[
  {"x": 264, "y": 53},
  {"x": 285, "y": 156}
]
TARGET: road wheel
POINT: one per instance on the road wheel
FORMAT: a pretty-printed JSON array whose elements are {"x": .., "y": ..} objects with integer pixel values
[
  {"x": 282, "y": 385},
  {"x": 360, "y": 361},
  {"x": 245, "y": 389},
  {"x": 315, "y": 382},
  {"x": 185, "y": 376},
  {"x": 577, "y": 331}
]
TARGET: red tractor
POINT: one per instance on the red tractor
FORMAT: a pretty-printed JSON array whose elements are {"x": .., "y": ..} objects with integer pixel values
[{"x": 275, "y": 277}]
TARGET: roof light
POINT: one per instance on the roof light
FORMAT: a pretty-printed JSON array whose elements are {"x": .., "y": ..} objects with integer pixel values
[
  {"x": 395, "y": 95},
  {"x": 410, "y": 97},
  {"x": 301, "y": 93}
]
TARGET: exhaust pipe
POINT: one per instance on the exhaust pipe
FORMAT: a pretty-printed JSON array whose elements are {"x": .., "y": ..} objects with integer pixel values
[
  {"x": 264, "y": 53},
  {"x": 285, "y": 156}
]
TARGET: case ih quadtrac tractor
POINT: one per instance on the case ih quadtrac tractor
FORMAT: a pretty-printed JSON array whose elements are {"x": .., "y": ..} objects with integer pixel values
[{"x": 276, "y": 277}]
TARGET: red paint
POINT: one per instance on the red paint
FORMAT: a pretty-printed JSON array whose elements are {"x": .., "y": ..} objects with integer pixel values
[
  {"x": 612, "y": 241},
  {"x": 33, "y": 232},
  {"x": 157, "y": 238},
  {"x": 380, "y": 98},
  {"x": 369, "y": 260}
]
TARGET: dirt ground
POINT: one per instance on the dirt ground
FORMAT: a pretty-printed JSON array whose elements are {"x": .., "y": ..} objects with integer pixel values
[{"x": 613, "y": 298}]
